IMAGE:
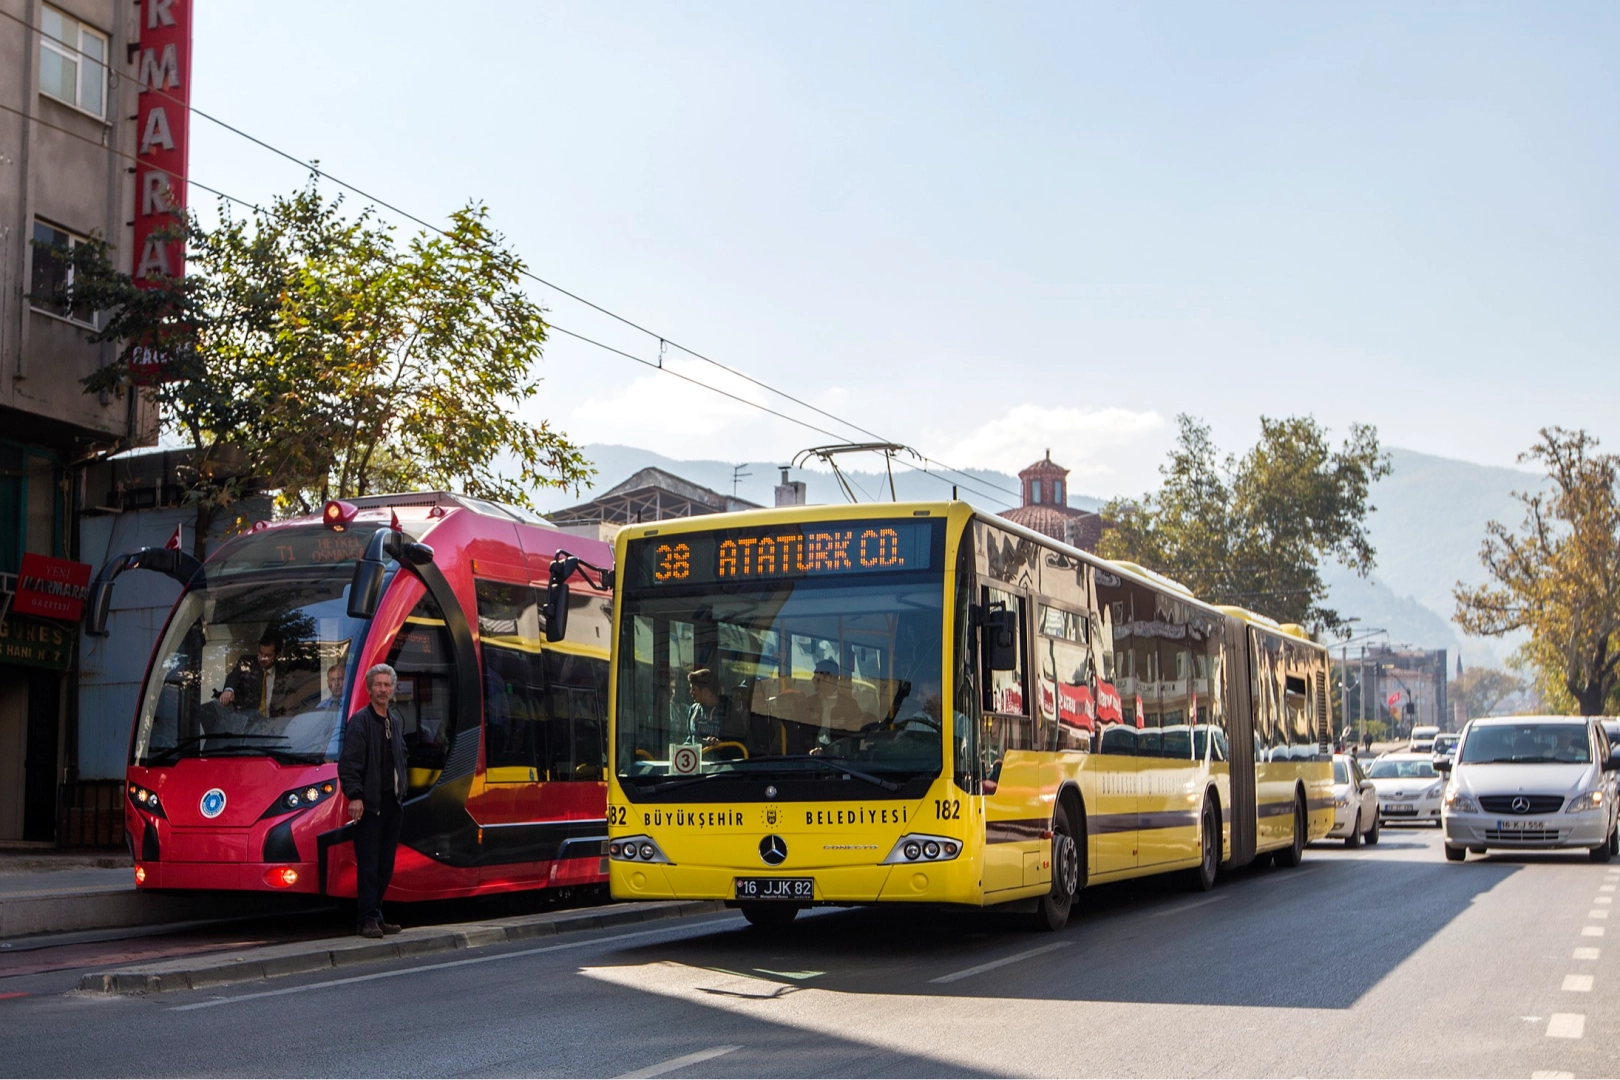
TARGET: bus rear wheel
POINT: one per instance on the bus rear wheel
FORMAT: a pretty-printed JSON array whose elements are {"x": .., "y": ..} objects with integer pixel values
[
  {"x": 1294, "y": 853},
  {"x": 769, "y": 916},
  {"x": 1052, "y": 910},
  {"x": 1202, "y": 877}
]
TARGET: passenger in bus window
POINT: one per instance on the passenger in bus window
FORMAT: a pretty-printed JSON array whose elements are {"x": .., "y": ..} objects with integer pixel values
[{"x": 710, "y": 710}]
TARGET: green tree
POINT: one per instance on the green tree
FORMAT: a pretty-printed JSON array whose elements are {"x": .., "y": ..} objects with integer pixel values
[
  {"x": 309, "y": 351},
  {"x": 1558, "y": 576},
  {"x": 1482, "y": 689},
  {"x": 1252, "y": 531}
]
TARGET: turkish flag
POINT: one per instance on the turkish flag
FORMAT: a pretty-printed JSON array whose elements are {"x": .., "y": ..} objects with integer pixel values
[{"x": 174, "y": 541}]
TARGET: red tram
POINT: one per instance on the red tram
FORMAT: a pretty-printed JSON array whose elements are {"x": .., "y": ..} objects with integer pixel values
[{"x": 232, "y": 779}]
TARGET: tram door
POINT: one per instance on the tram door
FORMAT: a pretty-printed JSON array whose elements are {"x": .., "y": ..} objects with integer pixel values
[{"x": 544, "y": 737}]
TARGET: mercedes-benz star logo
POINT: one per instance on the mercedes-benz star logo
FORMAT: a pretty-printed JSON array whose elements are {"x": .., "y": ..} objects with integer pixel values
[
  {"x": 1521, "y": 805},
  {"x": 213, "y": 803},
  {"x": 773, "y": 849}
]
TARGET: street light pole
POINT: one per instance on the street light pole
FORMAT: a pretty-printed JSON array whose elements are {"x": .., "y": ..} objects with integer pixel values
[{"x": 1344, "y": 679}]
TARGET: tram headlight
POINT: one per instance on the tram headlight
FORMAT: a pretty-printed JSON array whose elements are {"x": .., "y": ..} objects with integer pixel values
[
  {"x": 637, "y": 849},
  {"x": 300, "y": 798},
  {"x": 146, "y": 799},
  {"x": 920, "y": 848}
]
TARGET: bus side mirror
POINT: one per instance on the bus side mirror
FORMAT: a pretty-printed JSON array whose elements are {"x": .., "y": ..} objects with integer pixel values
[
  {"x": 556, "y": 610},
  {"x": 1001, "y": 638}
]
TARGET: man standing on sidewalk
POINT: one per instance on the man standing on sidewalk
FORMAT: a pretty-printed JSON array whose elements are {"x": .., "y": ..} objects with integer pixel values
[{"x": 372, "y": 772}]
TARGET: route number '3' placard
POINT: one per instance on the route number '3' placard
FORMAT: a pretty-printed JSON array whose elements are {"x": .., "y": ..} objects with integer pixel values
[{"x": 684, "y": 760}]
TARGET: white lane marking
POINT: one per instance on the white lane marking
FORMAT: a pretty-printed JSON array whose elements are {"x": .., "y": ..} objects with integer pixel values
[
  {"x": 1591, "y": 931},
  {"x": 1578, "y": 984},
  {"x": 1179, "y": 908},
  {"x": 1566, "y": 1026},
  {"x": 427, "y": 967},
  {"x": 1597, "y": 913},
  {"x": 1003, "y": 962},
  {"x": 1605, "y": 888},
  {"x": 681, "y": 1062},
  {"x": 1551, "y": 1074},
  {"x": 1604, "y": 900},
  {"x": 1587, "y": 954}
]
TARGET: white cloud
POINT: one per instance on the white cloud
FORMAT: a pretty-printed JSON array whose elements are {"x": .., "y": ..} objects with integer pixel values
[
  {"x": 667, "y": 413},
  {"x": 1088, "y": 442}
]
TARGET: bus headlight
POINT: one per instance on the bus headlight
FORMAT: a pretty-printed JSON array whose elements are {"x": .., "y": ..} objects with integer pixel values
[
  {"x": 920, "y": 848},
  {"x": 301, "y": 797},
  {"x": 636, "y": 849}
]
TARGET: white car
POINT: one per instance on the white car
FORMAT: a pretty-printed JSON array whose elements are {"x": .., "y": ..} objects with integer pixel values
[
  {"x": 1355, "y": 803},
  {"x": 1423, "y": 738},
  {"x": 1408, "y": 787},
  {"x": 1532, "y": 782}
]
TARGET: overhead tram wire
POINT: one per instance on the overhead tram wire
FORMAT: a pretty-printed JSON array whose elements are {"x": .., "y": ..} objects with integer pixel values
[
  {"x": 978, "y": 483},
  {"x": 724, "y": 393}
]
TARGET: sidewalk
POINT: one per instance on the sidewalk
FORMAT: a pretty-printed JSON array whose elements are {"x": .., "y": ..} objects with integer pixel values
[
  {"x": 49, "y": 892},
  {"x": 301, "y": 957}
]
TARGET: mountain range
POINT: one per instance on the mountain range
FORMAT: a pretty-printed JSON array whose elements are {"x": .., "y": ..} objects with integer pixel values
[{"x": 1429, "y": 519}]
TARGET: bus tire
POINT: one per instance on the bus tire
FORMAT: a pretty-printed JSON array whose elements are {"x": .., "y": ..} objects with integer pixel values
[
  {"x": 769, "y": 916},
  {"x": 1294, "y": 853},
  {"x": 1052, "y": 910},
  {"x": 1201, "y": 878}
]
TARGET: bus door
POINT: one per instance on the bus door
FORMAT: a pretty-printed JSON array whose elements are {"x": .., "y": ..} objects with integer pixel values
[
  {"x": 1170, "y": 796},
  {"x": 1016, "y": 818},
  {"x": 544, "y": 707},
  {"x": 1113, "y": 763}
]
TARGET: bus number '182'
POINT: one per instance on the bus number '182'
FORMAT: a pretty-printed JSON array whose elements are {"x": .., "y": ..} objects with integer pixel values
[{"x": 948, "y": 809}]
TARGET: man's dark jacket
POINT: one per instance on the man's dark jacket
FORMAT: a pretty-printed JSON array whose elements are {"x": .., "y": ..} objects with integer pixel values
[{"x": 362, "y": 769}]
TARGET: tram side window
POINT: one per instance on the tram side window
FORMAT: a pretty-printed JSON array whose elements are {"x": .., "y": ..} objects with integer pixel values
[
  {"x": 423, "y": 658},
  {"x": 576, "y": 695},
  {"x": 514, "y": 702}
]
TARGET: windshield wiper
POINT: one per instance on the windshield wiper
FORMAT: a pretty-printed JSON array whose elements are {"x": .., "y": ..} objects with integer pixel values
[
  {"x": 163, "y": 752},
  {"x": 832, "y": 765}
]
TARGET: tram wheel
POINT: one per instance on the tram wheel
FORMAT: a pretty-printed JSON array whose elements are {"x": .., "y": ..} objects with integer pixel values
[
  {"x": 1052, "y": 910},
  {"x": 769, "y": 916},
  {"x": 1294, "y": 853},
  {"x": 1202, "y": 877}
]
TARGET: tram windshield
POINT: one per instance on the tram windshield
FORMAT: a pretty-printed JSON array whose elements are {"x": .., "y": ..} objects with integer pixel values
[
  {"x": 253, "y": 665},
  {"x": 811, "y": 676}
]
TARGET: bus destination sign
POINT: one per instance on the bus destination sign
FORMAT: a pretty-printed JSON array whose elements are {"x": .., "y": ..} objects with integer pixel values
[{"x": 794, "y": 552}]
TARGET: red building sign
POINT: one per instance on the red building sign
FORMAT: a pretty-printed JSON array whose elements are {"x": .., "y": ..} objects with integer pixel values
[
  {"x": 163, "y": 123},
  {"x": 54, "y": 588}
]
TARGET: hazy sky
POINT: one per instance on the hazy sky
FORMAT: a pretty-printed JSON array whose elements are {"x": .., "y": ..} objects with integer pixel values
[{"x": 986, "y": 230}]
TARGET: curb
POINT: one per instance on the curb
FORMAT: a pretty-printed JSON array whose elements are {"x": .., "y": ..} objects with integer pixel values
[
  {"x": 299, "y": 958},
  {"x": 24, "y": 915}
]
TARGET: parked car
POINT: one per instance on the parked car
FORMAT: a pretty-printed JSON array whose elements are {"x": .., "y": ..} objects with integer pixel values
[
  {"x": 1355, "y": 803},
  {"x": 1422, "y": 740},
  {"x": 1532, "y": 782},
  {"x": 1408, "y": 787}
]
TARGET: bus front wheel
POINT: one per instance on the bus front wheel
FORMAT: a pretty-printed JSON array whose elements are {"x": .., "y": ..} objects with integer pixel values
[
  {"x": 769, "y": 916},
  {"x": 1052, "y": 910}
]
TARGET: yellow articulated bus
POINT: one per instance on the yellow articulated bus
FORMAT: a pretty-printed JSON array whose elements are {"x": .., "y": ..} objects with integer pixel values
[{"x": 922, "y": 703}]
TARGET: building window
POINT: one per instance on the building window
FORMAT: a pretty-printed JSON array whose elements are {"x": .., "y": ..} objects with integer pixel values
[
  {"x": 1057, "y": 492},
  {"x": 72, "y": 62},
  {"x": 53, "y": 272},
  {"x": 1034, "y": 491}
]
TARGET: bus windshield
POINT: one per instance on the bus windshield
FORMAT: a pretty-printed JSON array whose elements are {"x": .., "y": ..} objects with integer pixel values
[
  {"x": 832, "y": 677},
  {"x": 251, "y": 666}
]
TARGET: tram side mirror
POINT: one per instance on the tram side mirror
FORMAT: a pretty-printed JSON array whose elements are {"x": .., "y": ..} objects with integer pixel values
[
  {"x": 556, "y": 610},
  {"x": 1001, "y": 638},
  {"x": 365, "y": 589},
  {"x": 95, "y": 611}
]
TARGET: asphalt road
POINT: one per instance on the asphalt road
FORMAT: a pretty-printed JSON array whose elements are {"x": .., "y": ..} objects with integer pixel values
[{"x": 1386, "y": 961}]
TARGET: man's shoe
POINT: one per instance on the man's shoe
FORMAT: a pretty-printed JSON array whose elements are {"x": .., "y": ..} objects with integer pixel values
[
  {"x": 371, "y": 929},
  {"x": 390, "y": 927}
]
